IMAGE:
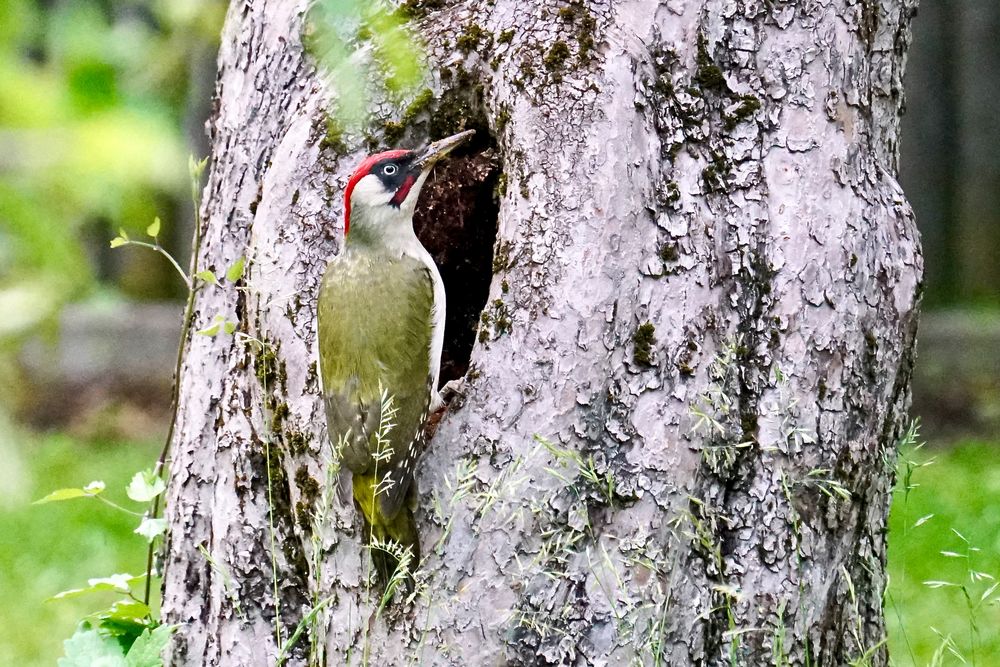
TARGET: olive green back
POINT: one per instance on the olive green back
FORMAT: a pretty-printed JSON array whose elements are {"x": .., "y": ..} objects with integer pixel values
[{"x": 374, "y": 320}]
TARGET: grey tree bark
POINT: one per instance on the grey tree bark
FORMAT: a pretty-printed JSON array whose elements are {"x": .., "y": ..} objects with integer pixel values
[{"x": 677, "y": 440}]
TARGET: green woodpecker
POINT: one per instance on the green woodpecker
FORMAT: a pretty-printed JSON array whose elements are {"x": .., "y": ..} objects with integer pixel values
[{"x": 381, "y": 328}]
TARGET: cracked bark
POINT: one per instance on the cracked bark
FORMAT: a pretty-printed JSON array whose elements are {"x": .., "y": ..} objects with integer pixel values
[{"x": 724, "y": 170}]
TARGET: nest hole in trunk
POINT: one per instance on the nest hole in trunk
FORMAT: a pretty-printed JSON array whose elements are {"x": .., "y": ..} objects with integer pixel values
[{"x": 456, "y": 220}]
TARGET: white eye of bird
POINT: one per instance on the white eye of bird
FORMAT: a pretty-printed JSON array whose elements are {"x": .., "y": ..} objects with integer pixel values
[{"x": 389, "y": 169}]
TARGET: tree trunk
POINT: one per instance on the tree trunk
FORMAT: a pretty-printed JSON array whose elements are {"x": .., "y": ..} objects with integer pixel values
[{"x": 677, "y": 439}]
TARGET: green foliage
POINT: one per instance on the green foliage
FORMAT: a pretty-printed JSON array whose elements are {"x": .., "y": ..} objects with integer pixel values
[
  {"x": 61, "y": 545},
  {"x": 145, "y": 651},
  {"x": 89, "y": 646},
  {"x": 145, "y": 486},
  {"x": 359, "y": 41},
  {"x": 93, "y": 96},
  {"x": 235, "y": 271},
  {"x": 128, "y": 620}
]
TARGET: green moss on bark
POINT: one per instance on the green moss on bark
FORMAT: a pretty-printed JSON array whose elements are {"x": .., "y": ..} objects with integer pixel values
[{"x": 643, "y": 340}]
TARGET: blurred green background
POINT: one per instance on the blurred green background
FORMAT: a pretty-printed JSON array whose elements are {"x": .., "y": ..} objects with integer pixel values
[{"x": 102, "y": 101}]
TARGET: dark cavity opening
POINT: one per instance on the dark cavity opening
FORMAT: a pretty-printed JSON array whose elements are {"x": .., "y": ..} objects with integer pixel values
[{"x": 456, "y": 220}]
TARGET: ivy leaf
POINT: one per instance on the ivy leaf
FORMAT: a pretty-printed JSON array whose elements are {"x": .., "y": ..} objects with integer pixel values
[
  {"x": 118, "y": 242},
  {"x": 151, "y": 528},
  {"x": 122, "y": 233},
  {"x": 145, "y": 486},
  {"x": 207, "y": 276},
  {"x": 145, "y": 652},
  {"x": 154, "y": 228},
  {"x": 91, "y": 489},
  {"x": 229, "y": 327},
  {"x": 87, "y": 647},
  {"x": 235, "y": 271}
]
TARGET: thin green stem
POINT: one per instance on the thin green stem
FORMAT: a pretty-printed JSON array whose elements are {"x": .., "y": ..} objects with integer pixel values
[
  {"x": 181, "y": 347},
  {"x": 118, "y": 507},
  {"x": 300, "y": 628},
  {"x": 156, "y": 247}
]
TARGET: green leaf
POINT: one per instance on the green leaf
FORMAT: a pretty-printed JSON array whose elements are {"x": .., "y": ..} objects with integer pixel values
[
  {"x": 154, "y": 228},
  {"x": 118, "y": 242},
  {"x": 124, "y": 631},
  {"x": 210, "y": 330},
  {"x": 229, "y": 327},
  {"x": 213, "y": 328},
  {"x": 207, "y": 276},
  {"x": 122, "y": 233},
  {"x": 145, "y": 486},
  {"x": 88, "y": 648},
  {"x": 91, "y": 489},
  {"x": 146, "y": 650},
  {"x": 235, "y": 271},
  {"x": 120, "y": 583},
  {"x": 95, "y": 487},
  {"x": 61, "y": 494},
  {"x": 196, "y": 167},
  {"x": 125, "y": 620},
  {"x": 151, "y": 528},
  {"x": 126, "y": 610}
]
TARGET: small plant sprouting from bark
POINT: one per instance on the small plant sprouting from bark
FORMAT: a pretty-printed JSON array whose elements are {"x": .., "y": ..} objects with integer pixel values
[
  {"x": 153, "y": 231},
  {"x": 570, "y": 549}
]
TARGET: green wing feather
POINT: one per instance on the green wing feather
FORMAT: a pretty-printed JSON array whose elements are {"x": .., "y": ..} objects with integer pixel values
[{"x": 374, "y": 323}]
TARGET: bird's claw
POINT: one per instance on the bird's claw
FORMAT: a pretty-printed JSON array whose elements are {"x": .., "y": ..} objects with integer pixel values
[
  {"x": 451, "y": 397},
  {"x": 453, "y": 390}
]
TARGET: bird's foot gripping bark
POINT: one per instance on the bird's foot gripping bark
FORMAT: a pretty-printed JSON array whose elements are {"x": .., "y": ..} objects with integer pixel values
[
  {"x": 453, "y": 392},
  {"x": 451, "y": 397}
]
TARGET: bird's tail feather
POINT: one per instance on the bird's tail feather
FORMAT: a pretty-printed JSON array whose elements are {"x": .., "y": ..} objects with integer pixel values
[{"x": 389, "y": 537}]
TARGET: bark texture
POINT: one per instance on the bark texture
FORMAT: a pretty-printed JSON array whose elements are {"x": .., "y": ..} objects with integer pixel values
[{"x": 704, "y": 302}]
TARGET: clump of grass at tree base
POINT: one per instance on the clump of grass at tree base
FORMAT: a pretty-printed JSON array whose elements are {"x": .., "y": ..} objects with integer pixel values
[{"x": 59, "y": 546}]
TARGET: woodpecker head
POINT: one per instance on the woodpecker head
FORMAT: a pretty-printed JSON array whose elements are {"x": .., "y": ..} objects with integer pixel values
[{"x": 383, "y": 190}]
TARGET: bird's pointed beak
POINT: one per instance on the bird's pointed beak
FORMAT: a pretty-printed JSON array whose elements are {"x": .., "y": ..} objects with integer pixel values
[{"x": 437, "y": 150}]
